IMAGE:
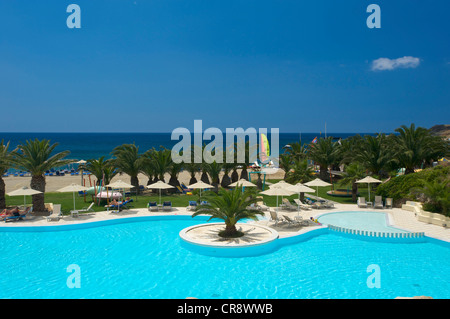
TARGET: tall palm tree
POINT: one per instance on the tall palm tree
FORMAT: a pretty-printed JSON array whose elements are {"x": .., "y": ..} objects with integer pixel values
[
  {"x": 414, "y": 146},
  {"x": 103, "y": 169},
  {"x": 128, "y": 160},
  {"x": 374, "y": 154},
  {"x": 174, "y": 170},
  {"x": 214, "y": 170},
  {"x": 300, "y": 172},
  {"x": 286, "y": 161},
  {"x": 37, "y": 157},
  {"x": 161, "y": 161},
  {"x": 6, "y": 159},
  {"x": 297, "y": 150},
  {"x": 230, "y": 206},
  {"x": 353, "y": 172},
  {"x": 324, "y": 153}
]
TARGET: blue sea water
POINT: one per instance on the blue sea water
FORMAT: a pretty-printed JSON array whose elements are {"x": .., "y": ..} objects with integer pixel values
[{"x": 94, "y": 145}]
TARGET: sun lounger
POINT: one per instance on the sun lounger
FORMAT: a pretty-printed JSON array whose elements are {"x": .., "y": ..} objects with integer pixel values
[
  {"x": 378, "y": 202},
  {"x": 291, "y": 222},
  {"x": 274, "y": 217},
  {"x": 167, "y": 206},
  {"x": 362, "y": 202},
  {"x": 86, "y": 209},
  {"x": 388, "y": 202},
  {"x": 56, "y": 213},
  {"x": 288, "y": 205},
  {"x": 117, "y": 208},
  {"x": 262, "y": 206},
  {"x": 21, "y": 215},
  {"x": 192, "y": 205},
  {"x": 302, "y": 205},
  {"x": 152, "y": 206}
]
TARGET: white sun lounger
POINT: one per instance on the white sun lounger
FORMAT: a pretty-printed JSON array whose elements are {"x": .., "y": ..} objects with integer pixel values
[
  {"x": 362, "y": 202},
  {"x": 56, "y": 213},
  {"x": 378, "y": 202}
]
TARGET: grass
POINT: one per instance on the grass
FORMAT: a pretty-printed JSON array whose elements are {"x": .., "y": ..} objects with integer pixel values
[{"x": 178, "y": 200}]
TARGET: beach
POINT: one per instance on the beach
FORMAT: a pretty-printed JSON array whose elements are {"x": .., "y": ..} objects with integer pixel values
[{"x": 53, "y": 183}]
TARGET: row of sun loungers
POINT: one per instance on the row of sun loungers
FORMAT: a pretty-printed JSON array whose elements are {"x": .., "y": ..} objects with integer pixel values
[
  {"x": 378, "y": 203},
  {"x": 154, "y": 207},
  {"x": 286, "y": 220}
]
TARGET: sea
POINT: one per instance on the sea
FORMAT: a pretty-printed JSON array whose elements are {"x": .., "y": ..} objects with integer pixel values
[{"x": 95, "y": 145}]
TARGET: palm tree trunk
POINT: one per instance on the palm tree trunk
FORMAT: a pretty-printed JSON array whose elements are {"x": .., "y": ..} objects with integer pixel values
[
  {"x": 323, "y": 174},
  {"x": 193, "y": 180},
  {"x": 230, "y": 230},
  {"x": 234, "y": 176},
  {"x": 244, "y": 173},
  {"x": 225, "y": 181},
  {"x": 354, "y": 191},
  {"x": 204, "y": 178},
  {"x": 38, "y": 200},
  {"x": 2, "y": 194},
  {"x": 135, "y": 183}
]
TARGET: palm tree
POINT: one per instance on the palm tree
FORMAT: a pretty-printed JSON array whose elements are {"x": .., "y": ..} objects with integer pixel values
[
  {"x": 324, "y": 153},
  {"x": 286, "y": 164},
  {"x": 174, "y": 170},
  {"x": 230, "y": 206},
  {"x": 129, "y": 161},
  {"x": 437, "y": 195},
  {"x": 102, "y": 169},
  {"x": 353, "y": 172},
  {"x": 214, "y": 170},
  {"x": 161, "y": 161},
  {"x": 415, "y": 146},
  {"x": 300, "y": 172},
  {"x": 6, "y": 159},
  {"x": 37, "y": 157},
  {"x": 373, "y": 153},
  {"x": 297, "y": 150}
]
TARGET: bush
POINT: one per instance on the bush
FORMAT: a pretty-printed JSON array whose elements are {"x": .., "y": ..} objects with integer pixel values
[{"x": 399, "y": 188}]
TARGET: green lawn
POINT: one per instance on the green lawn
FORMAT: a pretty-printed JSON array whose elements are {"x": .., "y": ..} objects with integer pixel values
[{"x": 178, "y": 200}]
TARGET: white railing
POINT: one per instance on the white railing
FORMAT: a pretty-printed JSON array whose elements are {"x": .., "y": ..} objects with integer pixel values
[{"x": 375, "y": 234}]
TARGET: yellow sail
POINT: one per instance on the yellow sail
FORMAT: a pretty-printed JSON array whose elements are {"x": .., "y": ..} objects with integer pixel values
[{"x": 265, "y": 148}]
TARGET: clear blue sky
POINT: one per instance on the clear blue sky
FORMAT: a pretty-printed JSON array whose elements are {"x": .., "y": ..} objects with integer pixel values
[{"x": 152, "y": 66}]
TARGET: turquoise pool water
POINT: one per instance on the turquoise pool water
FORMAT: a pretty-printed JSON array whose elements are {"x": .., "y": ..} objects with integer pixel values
[
  {"x": 363, "y": 220},
  {"x": 145, "y": 260}
]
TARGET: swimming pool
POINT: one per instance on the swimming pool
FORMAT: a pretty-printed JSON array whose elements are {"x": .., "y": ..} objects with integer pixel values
[
  {"x": 360, "y": 220},
  {"x": 144, "y": 259}
]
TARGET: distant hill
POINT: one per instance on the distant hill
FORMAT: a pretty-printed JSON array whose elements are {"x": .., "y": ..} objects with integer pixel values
[{"x": 441, "y": 130}]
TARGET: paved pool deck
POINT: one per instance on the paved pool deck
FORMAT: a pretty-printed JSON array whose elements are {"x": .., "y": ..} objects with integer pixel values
[{"x": 399, "y": 218}]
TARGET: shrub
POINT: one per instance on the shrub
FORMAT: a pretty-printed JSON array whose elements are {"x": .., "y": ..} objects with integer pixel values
[{"x": 399, "y": 188}]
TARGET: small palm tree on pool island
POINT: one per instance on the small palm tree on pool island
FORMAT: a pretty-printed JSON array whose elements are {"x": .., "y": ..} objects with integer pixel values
[{"x": 230, "y": 206}]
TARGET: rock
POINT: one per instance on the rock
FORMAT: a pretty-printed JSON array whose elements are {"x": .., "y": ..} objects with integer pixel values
[{"x": 442, "y": 130}]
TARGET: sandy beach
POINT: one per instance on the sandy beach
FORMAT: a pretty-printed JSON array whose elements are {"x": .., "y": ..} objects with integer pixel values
[{"x": 53, "y": 183}]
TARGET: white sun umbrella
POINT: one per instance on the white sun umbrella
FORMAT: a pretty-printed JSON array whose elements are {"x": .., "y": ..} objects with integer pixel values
[
  {"x": 159, "y": 185},
  {"x": 242, "y": 183},
  {"x": 369, "y": 180},
  {"x": 81, "y": 162},
  {"x": 281, "y": 184},
  {"x": 24, "y": 191},
  {"x": 200, "y": 185},
  {"x": 277, "y": 191},
  {"x": 300, "y": 188},
  {"x": 72, "y": 188},
  {"x": 317, "y": 183}
]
